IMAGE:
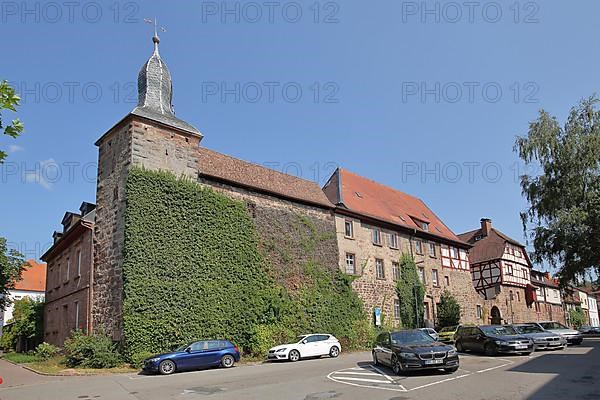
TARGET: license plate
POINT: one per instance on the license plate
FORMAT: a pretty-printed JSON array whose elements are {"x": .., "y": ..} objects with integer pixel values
[
  {"x": 521, "y": 347},
  {"x": 431, "y": 362}
]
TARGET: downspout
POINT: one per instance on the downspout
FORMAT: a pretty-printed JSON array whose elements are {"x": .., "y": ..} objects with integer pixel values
[{"x": 91, "y": 284}]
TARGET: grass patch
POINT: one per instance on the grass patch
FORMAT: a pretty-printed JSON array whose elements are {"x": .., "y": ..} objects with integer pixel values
[
  {"x": 57, "y": 366},
  {"x": 21, "y": 358}
]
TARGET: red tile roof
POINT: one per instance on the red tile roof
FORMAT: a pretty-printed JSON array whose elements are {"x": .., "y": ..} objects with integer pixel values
[
  {"x": 490, "y": 247},
  {"x": 372, "y": 199},
  {"x": 242, "y": 173},
  {"x": 33, "y": 278}
]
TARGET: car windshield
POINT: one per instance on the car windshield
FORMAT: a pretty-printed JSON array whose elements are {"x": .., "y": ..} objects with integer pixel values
[
  {"x": 498, "y": 330},
  {"x": 182, "y": 347},
  {"x": 411, "y": 337},
  {"x": 528, "y": 329},
  {"x": 448, "y": 329},
  {"x": 552, "y": 325}
]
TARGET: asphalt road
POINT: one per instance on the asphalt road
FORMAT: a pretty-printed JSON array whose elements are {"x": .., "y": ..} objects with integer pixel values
[{"x": 568, "y": 374}]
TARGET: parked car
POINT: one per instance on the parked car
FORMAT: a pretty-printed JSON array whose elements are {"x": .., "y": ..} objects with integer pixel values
[
  {"x": 572, "y": 336},
  {"x": 492, "y": 340},
  {"x": 447, "y": 333},
  {"x": 589, "y": 330},
  {"x": 431, "y": 332},
  {"x": 542, "y": 339},
  {"x": 195, "y": 355},
  {"x": 413, "y": 349},
  {"x": 314, "y": 345}
]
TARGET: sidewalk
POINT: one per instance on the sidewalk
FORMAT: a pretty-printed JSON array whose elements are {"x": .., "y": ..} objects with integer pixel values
[{"x": 14, "y": 375}]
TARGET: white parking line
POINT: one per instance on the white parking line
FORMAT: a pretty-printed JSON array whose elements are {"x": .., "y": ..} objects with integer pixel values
[
  {"x": 438, "y": 382},
  {"x": 358, "y": 373},
  {"x": 349, "y": 378},
  {"x": 382, "y": 373},
  {"x": 399, "y": 388}
]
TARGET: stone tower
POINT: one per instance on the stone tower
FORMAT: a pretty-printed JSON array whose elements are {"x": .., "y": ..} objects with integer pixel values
[{"x": 150, "y": 136}]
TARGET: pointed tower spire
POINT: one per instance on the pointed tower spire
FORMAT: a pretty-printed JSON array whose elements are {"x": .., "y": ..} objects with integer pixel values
[{"x": 155, "y": 90}]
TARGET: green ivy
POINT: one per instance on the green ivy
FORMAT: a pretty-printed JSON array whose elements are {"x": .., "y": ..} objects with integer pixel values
[
  {"x": 411, "y": 292},
  {"x": 193, "y": 269}
]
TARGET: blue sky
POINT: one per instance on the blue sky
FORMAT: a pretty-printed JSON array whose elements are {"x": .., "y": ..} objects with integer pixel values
[{"x": 427, "y": 98}]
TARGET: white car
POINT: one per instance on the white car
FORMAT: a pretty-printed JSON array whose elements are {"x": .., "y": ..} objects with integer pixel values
[
  {"x": 313, "y": 345},
  {"x": 432, "y": 333}
]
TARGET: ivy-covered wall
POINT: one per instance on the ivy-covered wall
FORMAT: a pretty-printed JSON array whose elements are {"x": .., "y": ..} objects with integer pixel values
[{"x": 199, "y": 264}]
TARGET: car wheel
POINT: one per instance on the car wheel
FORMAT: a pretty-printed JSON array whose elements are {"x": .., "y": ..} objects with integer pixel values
[
  {"x": 459, "y": 347},
  {"x": 166, "y": 367},
  {"x": 451, "y": 370},
  {"x": 227, "y": 361},
  {"x": 375, "y": 360},
  {"x": 396, "y": 366},
  {"x": 490, "y": 350},
  {"x": 294, "y": 355},
  {"x": 334, "y": 352}
]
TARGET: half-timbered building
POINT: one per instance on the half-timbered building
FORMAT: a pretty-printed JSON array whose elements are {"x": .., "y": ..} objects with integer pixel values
[{"x": 501, "y": 274}]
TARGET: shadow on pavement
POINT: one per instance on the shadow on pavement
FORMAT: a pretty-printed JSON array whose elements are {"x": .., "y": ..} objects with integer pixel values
[{"x": 576, "y": 373}]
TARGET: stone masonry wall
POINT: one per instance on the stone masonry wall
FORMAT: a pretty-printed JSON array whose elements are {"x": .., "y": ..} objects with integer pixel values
[
  {"x": 285, "y": 229},
  {"x": 133, "y": 142},
  {"x": 377, "y": 292}
]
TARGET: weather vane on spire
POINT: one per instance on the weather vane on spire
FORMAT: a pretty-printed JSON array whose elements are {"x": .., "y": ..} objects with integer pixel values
[{"x": 154, "y": 22}]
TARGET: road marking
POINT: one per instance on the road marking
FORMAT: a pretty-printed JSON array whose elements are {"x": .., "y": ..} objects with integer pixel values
[
  {"x": 383, "y": 373},
  {"x": 349, "y": 378},
  {"x": 438, "y": 382},
  {"x": 397, "y": 388},
  {"x": 358, "y": 373}
]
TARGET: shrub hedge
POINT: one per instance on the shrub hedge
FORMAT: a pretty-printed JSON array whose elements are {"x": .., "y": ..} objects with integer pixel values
[{"x": 193, "y": 269}]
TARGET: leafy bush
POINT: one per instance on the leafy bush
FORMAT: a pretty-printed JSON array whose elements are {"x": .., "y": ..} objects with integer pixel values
[
  {"x": 410, "y": 291},
  {"x": 90, "y": 351},
  {"x": 577, "y": 317},
  {"x": 46, "y": 351},
  {"x": 448, "y": 310},
  {"x": 193, "y": 268},
  {"x": 8, "y": 339},
  {"x": 26, "y": 323},
  {"x": 22, "y": 358},
  {"x": 137, "y": 358}
]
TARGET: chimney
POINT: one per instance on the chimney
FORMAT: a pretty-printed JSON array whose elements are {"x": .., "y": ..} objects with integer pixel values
[
  {"x": 486, "y": 226},
  {"x": 548, "y": 276}
]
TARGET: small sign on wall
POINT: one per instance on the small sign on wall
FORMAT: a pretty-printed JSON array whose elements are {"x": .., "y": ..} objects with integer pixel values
[{"x": 377, "y": 315}]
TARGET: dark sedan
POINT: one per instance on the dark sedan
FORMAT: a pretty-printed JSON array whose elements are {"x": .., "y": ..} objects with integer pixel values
[
  {"x": 414, "y": 349},
  {"x": 195, "y": 355},
  {"x": 492, "y": 339}
]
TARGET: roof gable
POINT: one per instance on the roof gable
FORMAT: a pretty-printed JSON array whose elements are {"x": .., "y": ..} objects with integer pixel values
[
  {"x": 490, "y": 247},
  {"x": 372, "y": 199}
]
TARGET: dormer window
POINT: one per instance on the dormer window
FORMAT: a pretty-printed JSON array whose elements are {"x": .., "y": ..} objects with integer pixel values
[{"x": 425, "y": 226}]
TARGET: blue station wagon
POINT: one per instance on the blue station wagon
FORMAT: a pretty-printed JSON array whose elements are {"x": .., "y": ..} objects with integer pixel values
[{"x": 195, "y": 355}]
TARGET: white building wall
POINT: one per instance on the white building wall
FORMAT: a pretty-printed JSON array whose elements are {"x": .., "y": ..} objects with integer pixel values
[
  {"x": 553, "y": 296},
  {"x": 593, "y": 310}
]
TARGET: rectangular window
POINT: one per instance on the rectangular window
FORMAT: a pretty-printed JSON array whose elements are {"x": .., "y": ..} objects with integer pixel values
[
  {"x": 509, "y": 269},
  {"x": 68, "y": 270},
  {"x": 434, "y": 277},
  {"x": 478, "y": 311},
  {"x": 396, "y": 271},
  {"x": 79, "y": 263},
  {"x": 348, "y": 229},
  {"x": 426, "y": 309},
  {"x": 76, "y": 315},
  {"x": 379, "y": 269},
  {"x": 431, "y": 249},
  {"x": 447, "y": 280},
  {"x": 422, "y": 274},
  {"x": 418, "y": 247},
  {"x": 518, "y": 296},
  {"x": 393, "y": 241},
  {"x": 350, "y": 264},
  {"x": 454, "y": 251},
  {"x": 425, "y": 226},
  {"x": 396, "y": 309},
  {"x": 377, "y": 236}
]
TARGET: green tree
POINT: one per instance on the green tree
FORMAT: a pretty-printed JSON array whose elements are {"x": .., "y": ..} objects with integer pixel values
[
  {"x": 411, "y": 293},
  {"x": 9, "y": 100},
  {"x": 577, "y": 317},
  {"x": 448, "y": 310},
  {"x": 12, "y": 265},
  {"x": 563, "y": 218},
  {"x": 26, "y": 323}
]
